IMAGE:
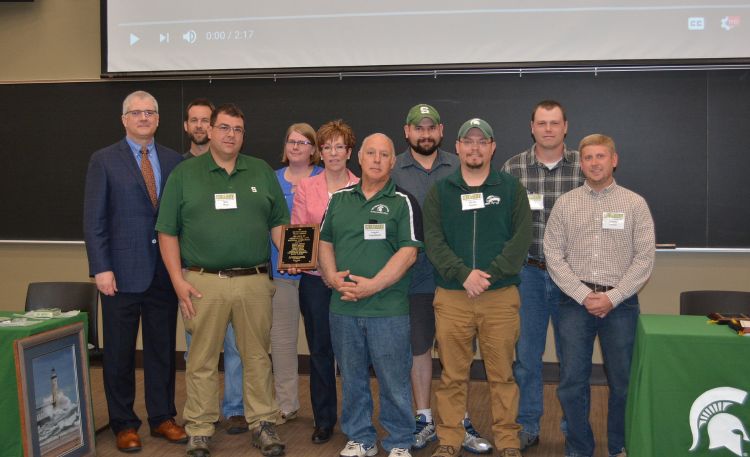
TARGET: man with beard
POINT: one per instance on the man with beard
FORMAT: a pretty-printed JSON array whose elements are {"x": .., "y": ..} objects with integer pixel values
[
  {"x": 416, "y": 170},
  {"x": 197, "y": 119},
  {"x": 477, "y": 234}
]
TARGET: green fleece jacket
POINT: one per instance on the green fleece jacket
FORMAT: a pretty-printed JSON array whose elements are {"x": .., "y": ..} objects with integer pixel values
[{"x": 494, "y": 239}]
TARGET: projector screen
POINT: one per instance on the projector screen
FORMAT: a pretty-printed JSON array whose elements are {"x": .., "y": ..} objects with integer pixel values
[{"x": 247, "y": 35}]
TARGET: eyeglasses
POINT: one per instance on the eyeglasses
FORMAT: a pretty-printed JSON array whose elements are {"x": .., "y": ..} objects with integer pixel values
[
  {"x": 337, "y": 148},
  {"x": 481, "y": 143},
  {"x": 294, "y": 143},
  {"x": 136, "y": 113},
  {"x": 225, "y": 129}
]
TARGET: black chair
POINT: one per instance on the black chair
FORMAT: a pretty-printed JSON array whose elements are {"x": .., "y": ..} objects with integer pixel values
[
  {"x": 702, "y": 302},
  {"x": 69, "y": 296}
]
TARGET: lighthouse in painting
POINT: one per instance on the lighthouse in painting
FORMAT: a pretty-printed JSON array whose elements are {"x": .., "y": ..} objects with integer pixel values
[{"x": 53, "y": 381}]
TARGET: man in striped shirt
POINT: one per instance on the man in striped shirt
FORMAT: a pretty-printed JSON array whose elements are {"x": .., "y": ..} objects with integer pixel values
[
  {"x": 599, "y": 245},
  {"x": 547, "y": 170}
]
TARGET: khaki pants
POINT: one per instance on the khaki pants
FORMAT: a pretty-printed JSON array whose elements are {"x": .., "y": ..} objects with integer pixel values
[
  {"x": 246, "y": 302},
  {"x": 284, "y": 333},
  {"x": 493, "y": 316}
]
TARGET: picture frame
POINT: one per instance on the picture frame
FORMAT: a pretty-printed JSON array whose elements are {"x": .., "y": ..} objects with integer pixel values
[{"x": 54, "y": 393}]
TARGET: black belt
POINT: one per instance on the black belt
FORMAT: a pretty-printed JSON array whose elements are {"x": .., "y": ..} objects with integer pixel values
[
  {"x": 232, "y": 272},
  {"x": 536, "y": 263},
  {"x": 597, "y": 287}
]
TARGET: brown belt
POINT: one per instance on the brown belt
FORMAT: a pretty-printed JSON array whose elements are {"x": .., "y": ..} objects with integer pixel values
[
  {"x": 597, "y": 287},
  {"x": 232, "y": 272},
  {"x": 536, "y": 263}
]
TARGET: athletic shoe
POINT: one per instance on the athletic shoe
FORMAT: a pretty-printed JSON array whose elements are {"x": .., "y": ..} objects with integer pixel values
[{"x": 424, "y": 433}]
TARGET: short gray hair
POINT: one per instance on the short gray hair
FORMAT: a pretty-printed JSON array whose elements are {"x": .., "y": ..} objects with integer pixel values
[{"x": 139, "y": 94}]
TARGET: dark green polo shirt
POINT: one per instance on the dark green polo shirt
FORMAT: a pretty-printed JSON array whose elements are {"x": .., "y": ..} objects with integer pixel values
[
  {"x": 222, "y": 238},
  {"x": 344, "y": 226}
]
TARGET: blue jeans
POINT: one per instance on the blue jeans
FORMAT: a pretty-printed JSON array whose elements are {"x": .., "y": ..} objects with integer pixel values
[
  {"x": 314, "y": 299},
  {"x": 382, "y": 342},
  {"x": 232, "y": 403},
  {"x": 578, "y": 329},
  {"x": 540, "y": 298}
]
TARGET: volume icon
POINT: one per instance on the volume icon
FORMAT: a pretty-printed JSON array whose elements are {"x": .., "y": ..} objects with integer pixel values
[{"x": 190, "y": 36}]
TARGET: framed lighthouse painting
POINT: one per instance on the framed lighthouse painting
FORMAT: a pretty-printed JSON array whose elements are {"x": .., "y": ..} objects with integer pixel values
[{"x": 54, "y": 393}]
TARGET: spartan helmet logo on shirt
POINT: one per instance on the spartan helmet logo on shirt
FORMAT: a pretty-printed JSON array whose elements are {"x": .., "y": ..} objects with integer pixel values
[
  {"x": 380, "y": 209},
  {"x": 724, "y": 430}
]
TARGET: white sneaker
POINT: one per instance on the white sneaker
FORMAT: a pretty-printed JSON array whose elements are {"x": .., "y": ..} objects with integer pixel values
[
  {"x": 355, "y": 449},
  {"x": 398, "y": 452}
]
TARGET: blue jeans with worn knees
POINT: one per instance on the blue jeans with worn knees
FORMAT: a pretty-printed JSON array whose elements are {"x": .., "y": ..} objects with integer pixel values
[
  {"x": 384, "y": 343},
  {"x": 578, "y": 330},
  {"x": 540, "y": 299},
  {"x": 231, "y": 405}
]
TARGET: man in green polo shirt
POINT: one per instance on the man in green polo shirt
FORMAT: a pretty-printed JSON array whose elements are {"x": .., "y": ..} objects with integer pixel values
[
  {"x": 369, "y": 238},
  {"x": 214, "y": 222}
]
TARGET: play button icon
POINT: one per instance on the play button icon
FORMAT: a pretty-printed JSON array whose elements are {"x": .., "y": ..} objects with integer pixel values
[{"x": 134, "y": 39}]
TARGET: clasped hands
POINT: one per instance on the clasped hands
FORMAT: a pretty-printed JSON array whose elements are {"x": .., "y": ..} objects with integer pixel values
[
  {"x": 356, "y": 288},
  {"x": 598, "y": 304}
]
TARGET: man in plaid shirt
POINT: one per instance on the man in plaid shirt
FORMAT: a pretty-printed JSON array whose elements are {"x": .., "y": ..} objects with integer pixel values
[
  {"x": 599, "y": 245},
  {"x": 547, "y": 170}
]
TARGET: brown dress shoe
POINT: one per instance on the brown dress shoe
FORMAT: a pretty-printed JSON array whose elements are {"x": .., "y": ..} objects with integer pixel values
[
  {"x": 170, "y": 431},
  {"x": 128, "y": 440}
]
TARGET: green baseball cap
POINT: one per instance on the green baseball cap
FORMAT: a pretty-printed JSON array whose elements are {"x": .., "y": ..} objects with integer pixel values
[
  {"x": 476, "y": 123},
  {"x": 421, "y": 111}
]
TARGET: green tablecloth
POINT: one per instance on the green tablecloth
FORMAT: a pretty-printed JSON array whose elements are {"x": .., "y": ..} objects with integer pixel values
[
  {"x": 677, "y": 359},
  {"x": 10, "y": 421}
]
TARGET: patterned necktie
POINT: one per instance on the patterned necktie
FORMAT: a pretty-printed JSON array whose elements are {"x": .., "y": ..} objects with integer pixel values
[{"x": 148, "y": 176}]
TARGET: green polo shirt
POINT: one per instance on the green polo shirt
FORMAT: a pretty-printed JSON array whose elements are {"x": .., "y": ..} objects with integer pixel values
[
  {"x": 344, "y": 226},
  {"x": 222, "y": 238}
]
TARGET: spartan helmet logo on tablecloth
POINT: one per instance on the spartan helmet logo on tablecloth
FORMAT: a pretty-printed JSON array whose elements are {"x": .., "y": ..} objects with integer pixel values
[{"x": 724, "y": 430}]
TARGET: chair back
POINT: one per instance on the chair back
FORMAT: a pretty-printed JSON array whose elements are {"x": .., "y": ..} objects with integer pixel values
[
  {"x": 67, "y": 296},
  {"x": 702, "y": 302}
]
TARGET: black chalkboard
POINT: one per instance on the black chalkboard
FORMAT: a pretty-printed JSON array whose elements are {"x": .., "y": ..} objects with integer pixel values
[{"x": 682, "y": 135}]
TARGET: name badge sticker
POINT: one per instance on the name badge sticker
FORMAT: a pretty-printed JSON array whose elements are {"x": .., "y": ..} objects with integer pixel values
[
  {"x": 472, "y": 201},
  {"x": 613, "y": 221},
  {"x": 536, "y": 201},
  {"x": 225, "y": 201},
  {"x": 374, "y": 231}
]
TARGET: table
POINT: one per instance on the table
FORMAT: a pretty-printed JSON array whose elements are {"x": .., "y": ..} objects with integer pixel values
[
  {"x": 676, "y": 360},
  {"x": 10, "y": 421}
]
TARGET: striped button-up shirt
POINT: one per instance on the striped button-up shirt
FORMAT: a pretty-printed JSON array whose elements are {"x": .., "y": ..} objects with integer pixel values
[
  {"x": 579, "y": 249},
  {"x": 538, "y": 179}
]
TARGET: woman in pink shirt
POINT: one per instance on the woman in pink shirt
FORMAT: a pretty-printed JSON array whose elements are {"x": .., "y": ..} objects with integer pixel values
[{"x": 335, "y": 143}]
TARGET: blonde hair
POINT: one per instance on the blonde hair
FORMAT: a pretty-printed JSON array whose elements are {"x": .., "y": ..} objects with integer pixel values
[
  {"x": 597, "y": 139},
  {"x": 306, "y": 130}
]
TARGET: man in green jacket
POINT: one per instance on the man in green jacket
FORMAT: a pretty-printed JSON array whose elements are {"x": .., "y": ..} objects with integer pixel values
[{"x": 477, "y": 225}]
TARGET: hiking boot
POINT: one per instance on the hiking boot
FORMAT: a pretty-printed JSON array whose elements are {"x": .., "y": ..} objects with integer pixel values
[
  {"x": 267, "y": 440},
  {"x": 446, "y": 451},
  {"x": 197, "y": 446}
]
